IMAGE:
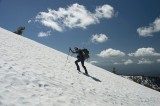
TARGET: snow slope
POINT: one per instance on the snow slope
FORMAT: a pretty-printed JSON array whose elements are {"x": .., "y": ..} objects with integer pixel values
[{"x": 32, "y": 74}]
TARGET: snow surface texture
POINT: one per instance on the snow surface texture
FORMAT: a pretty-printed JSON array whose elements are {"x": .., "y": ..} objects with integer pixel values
[{"x": 32, "y": 74}]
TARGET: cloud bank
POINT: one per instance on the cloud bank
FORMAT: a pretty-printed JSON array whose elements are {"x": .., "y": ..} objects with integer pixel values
[
  {"x": 145, "y": 61},
  {"x": 75, "y": 16},
  {"x": 129, "y": 61},
  {"x": 93, "y": 62},
  {"x": 142, "y": 52},
  {"x": 158, "y": 60}
]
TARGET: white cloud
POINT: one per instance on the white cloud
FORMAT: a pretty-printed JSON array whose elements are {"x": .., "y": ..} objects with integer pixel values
[
  {"x": 145, "y": 52},
  {"x": 93, "y": 62},
  {"x": 99, "y": 38},
  {"x": 149, "y": 30},
  {"x": 105, "y": 11},
  {"x": 144, "y": 61},
  {"x": 52, "y": 24},
  {"x": 116, "y": 63},
  {"x": 158, "y": 60},
  {"x": 75, "y": 16},
  {"x": 44, "y": 34},
  {"x": 129, "y": 61},
  {"x": 111, "y": 53},
  {"x": 78, "y": 16},
  {"x": 29, "y": 21}
]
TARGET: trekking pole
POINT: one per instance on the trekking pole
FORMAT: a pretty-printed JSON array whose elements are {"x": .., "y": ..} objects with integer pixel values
[
  {"x": 70, "y": 58},
  {"x": 67, "y": 58}
]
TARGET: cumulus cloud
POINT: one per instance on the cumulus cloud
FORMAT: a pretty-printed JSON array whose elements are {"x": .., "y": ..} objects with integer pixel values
[
  {"x": 29, "y": 21},
  {"x": 145, "y": 52},
  {"x": 99, "y": 38},
  {"x": 158, "y": 60},
  {"x": 149, "y": 30},
  {"x": 145, "y": 61},
  {"x": 111, "y": 53},
  {"x": 75, "y": 16},
  {"x": 105, "y": 11},
  {"x": 116, "y": 63},
  {"x": 93, "y": 62},
  {"x": 44, "y": 34},
  {"x": 129, "y": 61},
  {"x": 52, "y": 24}
]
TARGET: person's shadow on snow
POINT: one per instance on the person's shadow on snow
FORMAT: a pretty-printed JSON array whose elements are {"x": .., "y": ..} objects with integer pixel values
[{"x": 96, "y": 79}]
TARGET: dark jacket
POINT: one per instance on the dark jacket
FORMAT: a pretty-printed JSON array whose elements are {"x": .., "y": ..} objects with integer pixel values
[{"x": 79, "y": 53}]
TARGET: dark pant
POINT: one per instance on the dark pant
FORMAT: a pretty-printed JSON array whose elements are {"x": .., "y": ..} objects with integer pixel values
[{"x": 82, "y": 62}]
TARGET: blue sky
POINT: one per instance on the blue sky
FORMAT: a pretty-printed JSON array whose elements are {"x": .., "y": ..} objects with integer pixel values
[{"x": 118, "y": 33}]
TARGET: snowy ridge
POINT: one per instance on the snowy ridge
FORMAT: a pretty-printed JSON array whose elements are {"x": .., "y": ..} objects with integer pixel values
[{"x": 32, "y": 74}]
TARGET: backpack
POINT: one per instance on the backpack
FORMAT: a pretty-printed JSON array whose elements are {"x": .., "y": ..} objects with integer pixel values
[{"x": 85, "y": 53}]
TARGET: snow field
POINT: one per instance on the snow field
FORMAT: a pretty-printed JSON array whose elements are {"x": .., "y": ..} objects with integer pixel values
[{"x": 32, "y": 74}]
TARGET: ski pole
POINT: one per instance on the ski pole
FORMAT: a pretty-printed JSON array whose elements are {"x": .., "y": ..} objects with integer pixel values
[{"x": 67, "y": 57}]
